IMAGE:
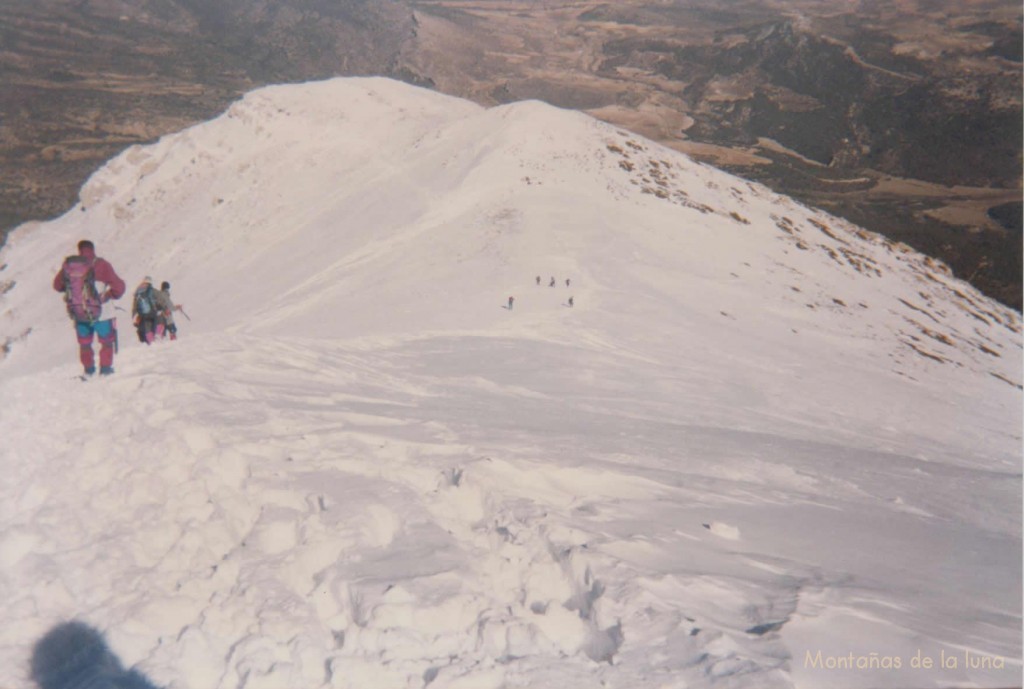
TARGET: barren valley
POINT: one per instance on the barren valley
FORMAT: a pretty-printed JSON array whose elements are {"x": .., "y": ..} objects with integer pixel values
[{"x": 903, "y": 116}]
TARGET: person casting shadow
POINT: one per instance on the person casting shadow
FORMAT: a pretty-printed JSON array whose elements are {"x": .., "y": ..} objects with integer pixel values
[{"x": 73, "y": 655}]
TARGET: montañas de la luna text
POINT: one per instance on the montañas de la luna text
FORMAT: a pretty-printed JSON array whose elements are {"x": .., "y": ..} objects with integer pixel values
[{"x": 880, "y": 661}]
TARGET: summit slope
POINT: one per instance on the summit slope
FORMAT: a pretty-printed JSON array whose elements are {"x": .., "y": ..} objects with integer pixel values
[{"x": 760, "y": 439}]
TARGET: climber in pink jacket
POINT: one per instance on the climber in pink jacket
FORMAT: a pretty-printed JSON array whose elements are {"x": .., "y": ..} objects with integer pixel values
[{"x": 89, "y": 283}]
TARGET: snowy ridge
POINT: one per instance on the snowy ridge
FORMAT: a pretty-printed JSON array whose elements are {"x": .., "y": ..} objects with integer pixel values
[{"x": 761, "y": 439}]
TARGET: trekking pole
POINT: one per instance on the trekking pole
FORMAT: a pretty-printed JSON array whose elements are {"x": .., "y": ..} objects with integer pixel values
[{"x": 183, "y": 313}]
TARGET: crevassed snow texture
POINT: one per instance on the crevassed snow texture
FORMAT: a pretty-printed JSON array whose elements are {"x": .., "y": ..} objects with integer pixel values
[{"x": 762, "y": 449}]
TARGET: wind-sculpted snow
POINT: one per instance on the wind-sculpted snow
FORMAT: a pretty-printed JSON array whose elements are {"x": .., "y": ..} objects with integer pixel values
[
  {"x": 309, "y": 514},
  {"x": 762, "y": 448}
]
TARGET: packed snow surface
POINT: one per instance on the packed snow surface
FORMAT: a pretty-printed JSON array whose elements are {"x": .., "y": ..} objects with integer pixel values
[{"x": 763, "y": 448}]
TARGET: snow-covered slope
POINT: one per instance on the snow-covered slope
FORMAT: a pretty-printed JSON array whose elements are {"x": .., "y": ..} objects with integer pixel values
[{"x": 762, "y": 449}]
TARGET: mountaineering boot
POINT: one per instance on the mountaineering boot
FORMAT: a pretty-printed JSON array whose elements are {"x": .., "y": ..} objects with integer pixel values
[{"x": 106, "y": 370}]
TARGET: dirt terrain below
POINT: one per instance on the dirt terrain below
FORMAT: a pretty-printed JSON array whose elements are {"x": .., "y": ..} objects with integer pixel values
[{"x": 903, "y": 116}]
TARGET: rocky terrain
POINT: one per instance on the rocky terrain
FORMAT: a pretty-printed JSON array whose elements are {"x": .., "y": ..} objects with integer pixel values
[
  {"x": 82, "y": 80},
  {"x": 903, "y": 116}
]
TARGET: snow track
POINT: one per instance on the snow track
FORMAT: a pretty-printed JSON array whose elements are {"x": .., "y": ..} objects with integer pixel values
[
  {"x": 224, "y": 513},
  {"x": 266, "y": 513}
]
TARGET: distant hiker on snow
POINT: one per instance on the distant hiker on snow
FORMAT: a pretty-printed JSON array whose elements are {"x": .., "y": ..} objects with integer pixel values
[
  {"x": 552, "y": 283},
  {"x": 570, "y": 302},
  {"x": 567, "y": 282},
  {"x": 538, "y": 279},
  {"x": 88, "y": 283},
  {"x": 145, "y": 310},
  {"x": 510, "y": 301},
  {"x": 165, "y": 322}
]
